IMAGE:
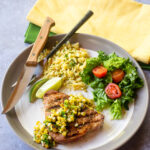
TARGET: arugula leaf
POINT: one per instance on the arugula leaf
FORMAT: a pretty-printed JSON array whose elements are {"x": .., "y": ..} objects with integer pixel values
[{"x": 116, "y": 110}]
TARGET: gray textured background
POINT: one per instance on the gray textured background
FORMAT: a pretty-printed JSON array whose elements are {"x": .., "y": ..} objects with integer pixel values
[{"x": 13, "y": 25}]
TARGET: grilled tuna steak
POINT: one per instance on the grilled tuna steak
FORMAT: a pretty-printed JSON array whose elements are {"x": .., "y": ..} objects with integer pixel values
[
  {"x": 52, "y": 100},
  {"x": 91, "y": 121}
]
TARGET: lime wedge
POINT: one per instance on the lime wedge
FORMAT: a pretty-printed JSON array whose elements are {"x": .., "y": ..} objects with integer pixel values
[
  {"x": 34, "y": 89},
  {"x": 52, "y": 84}
]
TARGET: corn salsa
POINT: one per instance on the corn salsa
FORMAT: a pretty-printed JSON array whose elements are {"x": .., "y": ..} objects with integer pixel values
[{"x": 59, "y": 119}]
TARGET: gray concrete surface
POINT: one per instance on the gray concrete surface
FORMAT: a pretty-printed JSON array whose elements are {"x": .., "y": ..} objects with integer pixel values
[{"x": 13, "y": 25}]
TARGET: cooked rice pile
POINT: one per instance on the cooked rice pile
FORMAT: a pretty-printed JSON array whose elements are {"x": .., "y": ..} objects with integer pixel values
[{"x": 67, "y": 63}]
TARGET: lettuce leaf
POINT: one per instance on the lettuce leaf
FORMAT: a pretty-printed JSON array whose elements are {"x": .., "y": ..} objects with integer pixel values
[
  {"x": 128, "y": 85},
  {"x": 101, "y": 99},
  {"x": 116, "y": 110},
  {"x": 87, "y": 75},
  {"x": 101, "y": 82},
  {"x": 102, "y": 56},
  {"x": 131, "y": 78},
  {"x": 114, "y": 62}
]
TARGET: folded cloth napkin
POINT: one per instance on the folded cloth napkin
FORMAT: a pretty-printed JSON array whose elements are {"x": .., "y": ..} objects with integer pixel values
[
  {"x": 124, "y": 22},
  {"x": 32, "y": 32}
]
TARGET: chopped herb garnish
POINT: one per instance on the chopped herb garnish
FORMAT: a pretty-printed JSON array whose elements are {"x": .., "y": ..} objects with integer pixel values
[
  {"x": 63, "y": 113},
  {"x": 66, "y": 55},
  {"x": 72, "y": 63}
]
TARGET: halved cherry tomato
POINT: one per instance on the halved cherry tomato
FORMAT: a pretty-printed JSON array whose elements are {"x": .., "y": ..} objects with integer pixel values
[
  {"x": 117, "y": 75},
  {"x": 113, "y": 91},
  {"x": 99, "y": 71}
]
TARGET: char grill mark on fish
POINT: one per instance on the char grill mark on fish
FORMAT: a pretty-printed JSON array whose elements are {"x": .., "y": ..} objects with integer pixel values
[{"x": 91, "y": 121}]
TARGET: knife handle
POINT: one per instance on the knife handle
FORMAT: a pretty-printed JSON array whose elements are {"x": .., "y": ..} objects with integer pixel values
[{"x": 40, "y": 42}]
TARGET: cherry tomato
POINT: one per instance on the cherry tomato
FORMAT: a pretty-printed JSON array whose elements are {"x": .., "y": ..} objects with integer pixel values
[
  {"x": 99, "y": 71},
  {"x": 113, "y": 91},
  {"x": 117, "y": 75}
]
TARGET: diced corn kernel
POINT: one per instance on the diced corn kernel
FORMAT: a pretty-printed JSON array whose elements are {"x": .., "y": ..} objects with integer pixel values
[
  {"x": 76, "y": 125},
  {"x": 83, "y": 113},
  {"x": 64, "y": 133},
  {"x": 45, "y": 131},
  {"x": 38, "y": 122}
]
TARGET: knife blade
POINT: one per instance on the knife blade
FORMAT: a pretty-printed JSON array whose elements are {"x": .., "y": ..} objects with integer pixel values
[
  {"x": 33, "y": 56},
  {"x": 21, "y": 85},
  {"x": 30, "y": 65}
]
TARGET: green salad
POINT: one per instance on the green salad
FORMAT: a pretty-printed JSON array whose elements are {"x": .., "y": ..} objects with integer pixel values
[{"x": 114, "y": 80}]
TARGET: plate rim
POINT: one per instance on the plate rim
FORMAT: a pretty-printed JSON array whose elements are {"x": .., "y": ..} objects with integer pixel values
[{"x": 110, "y": 42}]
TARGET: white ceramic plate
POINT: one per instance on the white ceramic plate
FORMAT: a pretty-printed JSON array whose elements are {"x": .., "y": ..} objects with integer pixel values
[{"x": 111, "y": 136}]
